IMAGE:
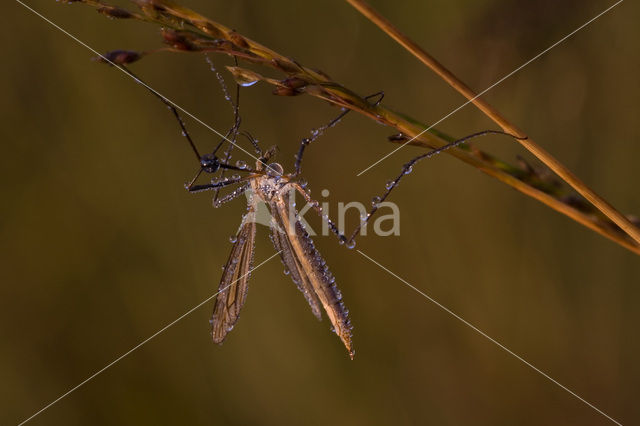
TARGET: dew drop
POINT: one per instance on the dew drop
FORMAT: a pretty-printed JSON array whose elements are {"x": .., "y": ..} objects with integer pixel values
[
  {"x": 247, "y": 83},
  {"x": 241, "y": 164},
  {"x": 389, "y": 184},
  {"x": 234, "y": 177},
  {"x": 342, "y": 239},
  {"x": 408, "y": 170},
  {"x": 351, "y": 244},
  {"x": 375, "y": 201},
  {"x": 233, "y": 239}
]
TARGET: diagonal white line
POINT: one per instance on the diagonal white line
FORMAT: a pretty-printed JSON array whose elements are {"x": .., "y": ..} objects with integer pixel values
[
  {"x": 491, "y": 339},
  {"x": 491, "y": 87},
  {"x": 184, "y": 111},
  {"x": 141, "y": 344}
]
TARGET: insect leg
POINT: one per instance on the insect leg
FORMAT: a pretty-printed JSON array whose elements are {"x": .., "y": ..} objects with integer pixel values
[
  {"x": 223, "y": 166},
  {"x": 316, "y": 133},
  {"x": 169, "y": 105},
  {"x": 233, "y": 132},
  {"x": 408, "y": 168},
  {"x": 316, "y": 206},
  {"x": 216, "y": 184},
  {"x": 254, "y": 142},
  {"x": 230, "y": 196}
]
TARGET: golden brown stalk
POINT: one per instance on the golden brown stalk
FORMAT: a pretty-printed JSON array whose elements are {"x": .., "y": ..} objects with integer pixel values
[
  {"x": 187, "y": 31},
  {"x": 542, "y": 155}
]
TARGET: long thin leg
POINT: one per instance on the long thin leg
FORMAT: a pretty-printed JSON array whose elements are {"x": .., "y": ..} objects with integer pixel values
[
  {"x": 254, "y": 142},
  {"x": 210, "y": 158},
  {"x": 192, "y": 182},
  {"x": 233, "y": 132},
  {"x": 183, "y": 127},
  {"x": 408, "y": 168},
  {"x": 215, "y": 184},
  {"x": 223, "y": 85},
  {"x": 234, "y": 106},
  {"x": 316, "y": 206},
  {"x": 169, "y": 105},
  {"x": 230, "y": 196},
  {"x": 223, "y": 166},
  {"x": 316, "y": 133}
]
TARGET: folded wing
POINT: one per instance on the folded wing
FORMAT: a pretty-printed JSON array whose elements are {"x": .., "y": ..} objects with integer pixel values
[
  {"x": 308, "y": 269},
  {"x": 232, "y": 291}
]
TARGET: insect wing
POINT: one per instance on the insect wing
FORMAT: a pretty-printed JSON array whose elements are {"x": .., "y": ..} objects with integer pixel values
[
  {"x": 281, "y": 242},
  {"x": 234, "y": 282},
  {"x": 300, "y": 255}
]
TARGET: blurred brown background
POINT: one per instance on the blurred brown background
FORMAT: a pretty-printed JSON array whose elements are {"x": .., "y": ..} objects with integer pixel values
[{"x": 101, "y": 246}]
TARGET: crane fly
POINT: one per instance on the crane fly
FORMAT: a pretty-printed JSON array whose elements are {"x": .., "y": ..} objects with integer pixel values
[
  {"x": 268, "y": 184},
  {"x": 302, "y": 261}
]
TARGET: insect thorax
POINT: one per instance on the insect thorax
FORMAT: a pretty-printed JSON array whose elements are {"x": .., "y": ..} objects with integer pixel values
[{"x": 268, "y": 186}]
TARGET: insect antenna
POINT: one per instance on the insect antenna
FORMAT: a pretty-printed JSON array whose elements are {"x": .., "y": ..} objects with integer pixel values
[{"x": 408, "y": 168}]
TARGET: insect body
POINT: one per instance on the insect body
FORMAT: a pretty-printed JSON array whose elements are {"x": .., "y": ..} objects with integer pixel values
[
  {"x": 268, "y": 184},
  {"x": 302, "y": 261}
]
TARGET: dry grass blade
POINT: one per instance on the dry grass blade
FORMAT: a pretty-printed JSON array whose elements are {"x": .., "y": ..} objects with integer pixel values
[
  {"x": 535, "y": 149},
  {"x": 184, "y": 30}
]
